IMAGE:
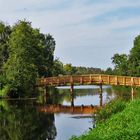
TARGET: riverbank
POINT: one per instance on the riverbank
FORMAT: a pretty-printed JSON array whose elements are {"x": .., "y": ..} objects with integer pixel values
[{"x": 124, "y": 125}]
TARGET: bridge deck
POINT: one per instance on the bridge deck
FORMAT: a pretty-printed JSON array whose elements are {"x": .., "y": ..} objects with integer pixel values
[{"x": 89, "y": 79}]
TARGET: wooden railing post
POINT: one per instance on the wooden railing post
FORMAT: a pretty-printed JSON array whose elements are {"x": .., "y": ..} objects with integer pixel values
[
  {"x": 58, "y": 81},
  {"x": 108, "y": 79},
  {"x": 81, "y": 80},
  {"x": 124, "y": 81},
  {"x": 139, "y": 81},
  {"x": 90, "y": 79},
  {"x": 100, "y": 79},
  {"x": 71, "y": 80},
  {"x": 51, "y": 81},
  {"x": 132, "y": 81},
  {"x": 116, "y": 80},
  {"x": 132, "y": 88}
]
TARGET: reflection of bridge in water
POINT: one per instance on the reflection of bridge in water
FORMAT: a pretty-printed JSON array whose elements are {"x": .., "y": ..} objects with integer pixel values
[
  {"x": 71, "y": 109},
  {"x": 68, "y": 109}
]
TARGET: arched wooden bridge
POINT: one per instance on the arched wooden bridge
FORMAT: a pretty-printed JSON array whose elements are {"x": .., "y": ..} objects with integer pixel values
[{"x": 91, "y": 79}]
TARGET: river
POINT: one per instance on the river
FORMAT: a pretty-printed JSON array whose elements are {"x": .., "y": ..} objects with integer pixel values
[{"x": 57, "y": 117}]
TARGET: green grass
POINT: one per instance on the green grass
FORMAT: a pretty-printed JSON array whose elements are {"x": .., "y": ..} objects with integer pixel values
[{"x": 124, "y": 125}]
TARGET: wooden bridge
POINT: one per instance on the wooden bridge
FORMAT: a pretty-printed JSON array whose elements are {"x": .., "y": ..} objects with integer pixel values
[
  {"x": 68, "y": 109},
  {"x": 91, "y": 79}
]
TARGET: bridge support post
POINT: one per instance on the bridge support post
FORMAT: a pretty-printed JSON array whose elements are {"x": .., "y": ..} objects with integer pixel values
[
  {"x": 46, "y": 94},
  {"x": 71, "y": 87},
  {"x": 132, "y": 93},
  {"x": 72, "y": 94},
  {"x": 101, "y": 95},
  {"x": 72, "y": 99}
]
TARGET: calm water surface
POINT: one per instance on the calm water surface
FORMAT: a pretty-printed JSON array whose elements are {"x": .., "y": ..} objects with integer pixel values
[
  {"x": 72, "y": 124},
  {"x": 24, "y": 121}
]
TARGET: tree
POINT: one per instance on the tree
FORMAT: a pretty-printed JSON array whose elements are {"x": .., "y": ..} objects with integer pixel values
[
  {"x": 134, "y": 58},
  {"x": 5, "y": 32},
  {"x": 121, "y": 64},
  {"x": 48, "y": 55},
  {"x": 57, "y": 67},
  {"x": 44, "y": 53},
  {"x": 109, "y": 71},
  {"x": 25, "y": 54},
  {"x": 20, "y": 69},
  {"x": 69, "y": 69}
]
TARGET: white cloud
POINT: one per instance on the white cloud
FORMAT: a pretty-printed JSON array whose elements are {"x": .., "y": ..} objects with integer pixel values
[{"x": 72, "y": 27}]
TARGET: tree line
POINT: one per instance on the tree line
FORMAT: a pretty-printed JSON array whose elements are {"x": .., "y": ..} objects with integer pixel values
[
  {"x": 69, "y": 69},
  {"x": 127, "y": 64}
]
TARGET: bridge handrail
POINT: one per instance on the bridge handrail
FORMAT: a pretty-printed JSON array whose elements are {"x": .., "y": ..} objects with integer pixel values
[{"x": 91, "y": 78}]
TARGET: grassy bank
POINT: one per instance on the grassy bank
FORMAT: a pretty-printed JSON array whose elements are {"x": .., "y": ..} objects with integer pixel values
[{"x": 124, "y": 125}]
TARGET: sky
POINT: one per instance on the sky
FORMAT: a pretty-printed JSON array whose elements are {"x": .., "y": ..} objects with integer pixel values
[{"x": 87, "y": 32}]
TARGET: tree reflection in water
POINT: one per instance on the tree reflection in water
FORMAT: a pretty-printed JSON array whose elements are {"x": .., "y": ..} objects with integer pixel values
[{"x": 21, "y": 121}]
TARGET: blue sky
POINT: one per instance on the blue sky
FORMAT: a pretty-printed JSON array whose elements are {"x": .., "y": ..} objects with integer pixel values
[{"x": 87, "y": 32}]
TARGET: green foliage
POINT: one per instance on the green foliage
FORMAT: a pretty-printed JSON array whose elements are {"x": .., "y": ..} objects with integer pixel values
[
  {"x": 134, "y": 58},
  {"x": 46, "y": 56},
  {"x": 128, "y": 64},
  {"x": 109, "y": 71},
  {"x": 20, "y": 69},
  {"x": 123, "y": 92},
  {"x": 25, "y": 122},
  {"x": 110, "y": 109},
  {"x": 2, "y": 79},
  {"x": 69, "y": 69},
  {"x": 57, "y": 67},
  {"x": 5, "y": 32},
  {"x": 88, "y": 70},
  {"x": 25, "y": 54},
  {"x": 121, "y": 64},
  {"x": 122, "y": 126}
]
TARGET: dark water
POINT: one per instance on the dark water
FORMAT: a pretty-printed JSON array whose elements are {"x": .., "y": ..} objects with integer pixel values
[{"x": 23, "y": 120}]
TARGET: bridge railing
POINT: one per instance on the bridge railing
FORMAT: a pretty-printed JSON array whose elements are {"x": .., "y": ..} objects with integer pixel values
[{"x": 89, "y": 79}]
